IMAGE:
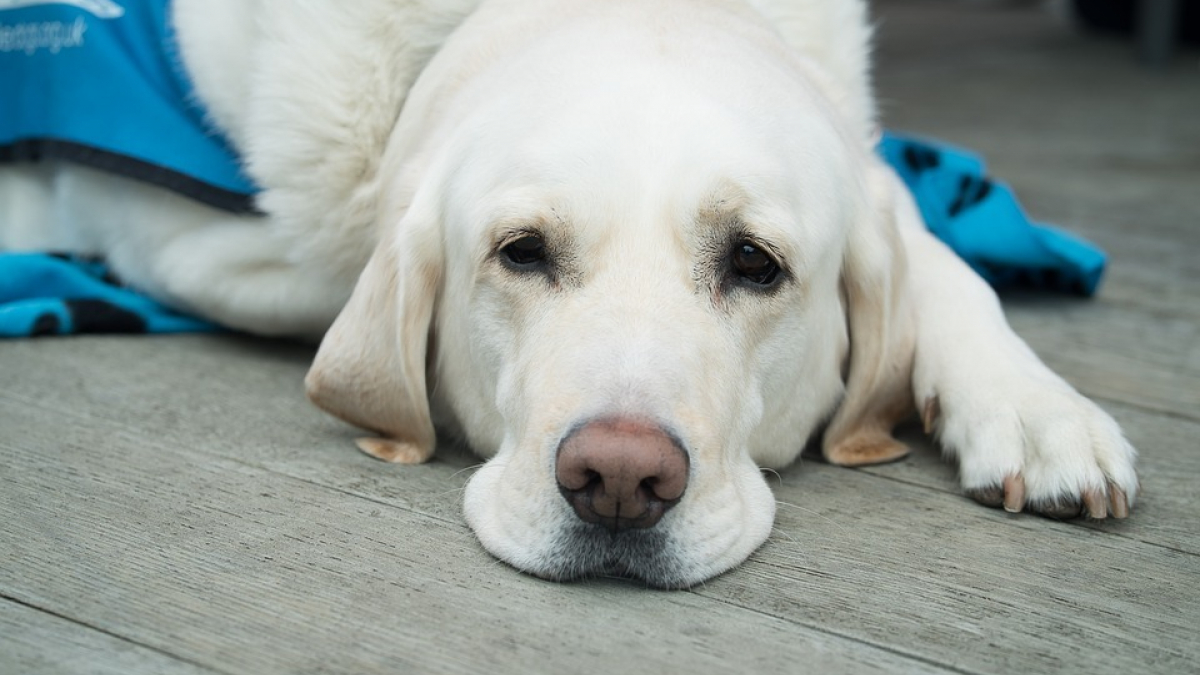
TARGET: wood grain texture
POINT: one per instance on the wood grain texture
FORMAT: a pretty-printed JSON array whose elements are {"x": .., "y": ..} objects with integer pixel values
[
  {"x": 1129, "y": 354},
  {"x": 245, "y": 570},
  {"x": 969, "y": 587},
  {"x": 32, "y": 641},
  {"x": 270, "y": 513}
]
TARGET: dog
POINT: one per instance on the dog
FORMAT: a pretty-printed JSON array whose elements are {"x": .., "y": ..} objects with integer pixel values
[{"x": 633, "y": 252}]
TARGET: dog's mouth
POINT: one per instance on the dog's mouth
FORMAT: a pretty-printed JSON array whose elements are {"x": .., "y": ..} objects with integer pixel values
[
  {"x": 590, "y": 550},
  {"x": 664, "y": 522}
]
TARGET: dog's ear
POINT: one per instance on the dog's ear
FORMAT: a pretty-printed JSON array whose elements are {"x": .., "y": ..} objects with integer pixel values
[
  {"x": 882, "y": 336},
  {"x": 370, "y": 369}
]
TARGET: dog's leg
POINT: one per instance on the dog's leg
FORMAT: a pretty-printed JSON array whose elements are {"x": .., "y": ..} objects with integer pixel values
[
  {"x": 236, "y": 270},
  {"x": 240, "y": 275},
  {"x": 1024, "y": 438}
]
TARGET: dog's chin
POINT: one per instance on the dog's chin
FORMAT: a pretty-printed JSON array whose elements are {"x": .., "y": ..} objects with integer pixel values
[
  {"x": 681, "y": 551},
  {"x": 583, "y": 551},
  {"x": 647, "y": 557}
]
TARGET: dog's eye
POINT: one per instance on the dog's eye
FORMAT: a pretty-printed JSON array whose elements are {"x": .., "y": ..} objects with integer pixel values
[
  {"x": 754, "y": 264},
  {"x": 525, "y": 251}
]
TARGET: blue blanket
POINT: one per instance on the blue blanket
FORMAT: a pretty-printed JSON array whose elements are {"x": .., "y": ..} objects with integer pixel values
[
  {"x": 982, "y": 222},
  {"x": 43, "y": 294},
  {"x": 49, "y": 294}
]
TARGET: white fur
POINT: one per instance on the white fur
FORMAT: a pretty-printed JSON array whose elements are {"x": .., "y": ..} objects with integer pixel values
[{"x": 635, "y": 136}]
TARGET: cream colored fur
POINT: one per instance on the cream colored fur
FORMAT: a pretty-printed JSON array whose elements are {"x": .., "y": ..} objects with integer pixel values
[{"x": 406, "y": 141}]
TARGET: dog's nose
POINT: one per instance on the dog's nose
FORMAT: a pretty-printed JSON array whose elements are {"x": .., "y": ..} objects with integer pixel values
[{"x": 620, "y": 473}]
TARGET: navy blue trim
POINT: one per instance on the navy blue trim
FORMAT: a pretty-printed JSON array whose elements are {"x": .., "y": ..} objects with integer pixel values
[{"x": 35, "y": 149}]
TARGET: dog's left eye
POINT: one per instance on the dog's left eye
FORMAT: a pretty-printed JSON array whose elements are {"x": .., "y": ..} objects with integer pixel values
[
  {"x": 755, "y": 265},
  {"x": 525, "y": 251}
]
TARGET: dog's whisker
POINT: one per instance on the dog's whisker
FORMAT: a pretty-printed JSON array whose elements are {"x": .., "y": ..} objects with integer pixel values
[
  {"x": 488, "y": 566},
  {"x": 473, "y": 467},
  {"x": 776, "y": 532},
  {"x": 841, "y": 529}
]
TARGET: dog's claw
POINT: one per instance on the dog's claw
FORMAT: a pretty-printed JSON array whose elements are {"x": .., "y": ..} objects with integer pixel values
[
  {"x": 1118, "y": 501},
  {"x": 930, "y": 413},
  {"x": 1096, "y": 504},
  {"x": 1014, "y": 493}
]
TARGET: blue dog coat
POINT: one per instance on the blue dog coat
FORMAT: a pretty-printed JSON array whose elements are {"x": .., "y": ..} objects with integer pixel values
[{"x": 99, "y": 82}]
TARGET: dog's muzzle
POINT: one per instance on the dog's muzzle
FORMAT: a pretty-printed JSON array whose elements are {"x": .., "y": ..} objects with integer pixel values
[{"x": 621, "y": 473}]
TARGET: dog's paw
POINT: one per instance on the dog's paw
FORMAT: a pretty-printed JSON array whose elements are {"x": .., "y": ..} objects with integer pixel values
[{"x": 1033, "y": 443}]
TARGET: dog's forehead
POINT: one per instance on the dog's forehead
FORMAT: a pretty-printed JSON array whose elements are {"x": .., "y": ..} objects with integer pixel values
[
  {"x": 684, "y": 198},
  {"x": 686, "y": 146},
  {"x": 625, "y": 133}
]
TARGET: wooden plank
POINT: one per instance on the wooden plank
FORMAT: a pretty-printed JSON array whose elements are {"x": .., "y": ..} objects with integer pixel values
[
  {"x": 189, "y": 537},
  {"x": 248, "y": 571},
  {"x": 976, "y": 589},
  {"x": 32, "y": 641},
  {"x": 1142, "y": 212},
  {"x": 1119, "y": 353},
  {"x": 221, "y": 396},
  {"x": 1168, "y": 466}
]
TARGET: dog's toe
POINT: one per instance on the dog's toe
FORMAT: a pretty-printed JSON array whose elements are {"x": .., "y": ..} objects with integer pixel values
[
  {"x": 1094, "y": 504},
  {"x": 1061, "y": 509}
]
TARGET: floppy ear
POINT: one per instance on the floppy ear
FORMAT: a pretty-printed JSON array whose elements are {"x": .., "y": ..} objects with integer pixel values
[
  {"x": 882, "y": 337},
  {"x": 370, "y": 369}
]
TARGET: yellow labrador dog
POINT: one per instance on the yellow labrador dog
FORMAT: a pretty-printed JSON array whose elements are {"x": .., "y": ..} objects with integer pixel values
[{"x": 632, "y": 250}]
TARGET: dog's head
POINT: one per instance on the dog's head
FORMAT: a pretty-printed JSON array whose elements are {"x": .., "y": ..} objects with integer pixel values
[{"x": 632, "y": 260}]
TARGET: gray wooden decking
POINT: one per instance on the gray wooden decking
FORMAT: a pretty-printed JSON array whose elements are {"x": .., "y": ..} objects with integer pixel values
[{"x": 173, "y": 505}]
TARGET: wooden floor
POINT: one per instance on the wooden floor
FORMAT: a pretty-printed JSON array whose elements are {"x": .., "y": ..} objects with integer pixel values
[{"x": 173, "y": 505}]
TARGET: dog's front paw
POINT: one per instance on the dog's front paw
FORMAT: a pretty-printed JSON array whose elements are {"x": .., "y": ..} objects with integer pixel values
[{"x": 1033, "y": 443}]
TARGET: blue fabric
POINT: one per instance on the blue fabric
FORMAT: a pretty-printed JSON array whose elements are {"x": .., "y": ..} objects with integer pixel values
[
  {"x": 983, "y": 223},
  {"x": 99, "y": 82},
  {"x": 44, "y": 294}
]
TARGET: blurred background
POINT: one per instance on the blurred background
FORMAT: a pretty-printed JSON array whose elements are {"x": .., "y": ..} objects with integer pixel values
[{"x": 1092, "y": 133}]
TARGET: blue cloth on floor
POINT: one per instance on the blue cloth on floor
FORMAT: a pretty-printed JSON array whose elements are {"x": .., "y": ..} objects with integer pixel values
[
  {"x": 47, "y": 294},
  {"x": 43, "y": 294},
  {"x": 983, "y": 223}
]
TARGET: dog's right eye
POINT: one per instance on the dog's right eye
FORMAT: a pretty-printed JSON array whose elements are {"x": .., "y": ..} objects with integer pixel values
[
  {"x": 525, "y": 252},
  {"x": 754, "y": 266}
]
